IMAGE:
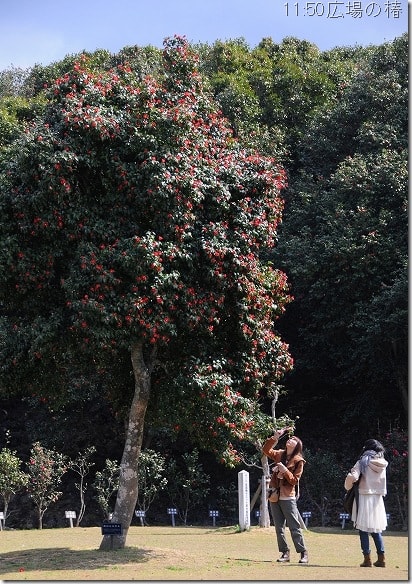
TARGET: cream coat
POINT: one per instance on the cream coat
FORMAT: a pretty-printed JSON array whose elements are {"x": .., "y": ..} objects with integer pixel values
[{"x": 373, "y": 480}]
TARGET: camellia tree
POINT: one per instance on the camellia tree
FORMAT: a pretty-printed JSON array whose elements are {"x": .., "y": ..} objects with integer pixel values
[
  {"x": 151, "y": 479},
  {"x": 45, "y": 470},
  {"x": 12, "y": 478},
  {"x": 133, "y": 222}
]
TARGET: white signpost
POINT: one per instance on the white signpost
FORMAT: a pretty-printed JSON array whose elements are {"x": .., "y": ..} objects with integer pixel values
[
  {"x": 244, "y": 500},
  {"x": 213, "y": 514},
  {"x": 70, "y": 515},
  {"x": 172, "y": 511},
  {"x": 306, "y": 516},
  {"x": 1, "y": 520},
  {"x": 344, "y": 517},
  {"x": 141, "y": 515}
]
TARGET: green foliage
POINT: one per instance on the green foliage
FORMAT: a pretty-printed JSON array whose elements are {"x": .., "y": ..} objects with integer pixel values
[
  {"x": 322, "y": 482},
  {"x": 397, "y": 453},
  {"x": 343, "y": 243},
  {"x": 142, "y": 60},
  {"x": 45, "y": 470},
  {"x": 12, "y": 478},
  {"x": 227, "y": 500},
  {"x": 271, "y": 93},
  {"x": 13, "y": 82},
  {"x": 188, "y": 484},
  {"x": 9, "y": 128},
  {"x": 81, "y": 466},
  {"x": 232, "y": 417},
  {"x": 15, "y": 112},
  {"x": 151, "y": 477},
  {"x": 106, "y": 483}
]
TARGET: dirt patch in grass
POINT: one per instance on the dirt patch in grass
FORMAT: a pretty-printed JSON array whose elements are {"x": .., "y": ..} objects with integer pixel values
[{"x": 192, "y": 553}]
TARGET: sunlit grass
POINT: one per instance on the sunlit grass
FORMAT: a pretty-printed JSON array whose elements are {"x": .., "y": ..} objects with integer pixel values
[{"x": 192, "y": 553}]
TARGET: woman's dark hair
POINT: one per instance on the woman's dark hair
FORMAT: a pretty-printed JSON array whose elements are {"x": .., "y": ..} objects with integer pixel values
[
  {"x": 297, "y": 450},
  {"x": 372, "y": 444}
]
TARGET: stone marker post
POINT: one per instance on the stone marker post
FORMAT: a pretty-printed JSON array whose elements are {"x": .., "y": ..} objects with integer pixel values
[{"x": 244, "y": 500}]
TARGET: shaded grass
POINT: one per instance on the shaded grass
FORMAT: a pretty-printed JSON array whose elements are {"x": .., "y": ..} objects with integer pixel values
[{"x": 192, "y": 553}]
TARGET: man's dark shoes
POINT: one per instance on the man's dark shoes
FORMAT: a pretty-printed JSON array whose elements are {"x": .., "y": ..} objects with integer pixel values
[
  {"x": 285, "y": 557},
  {"x": 304, "y": 557}
]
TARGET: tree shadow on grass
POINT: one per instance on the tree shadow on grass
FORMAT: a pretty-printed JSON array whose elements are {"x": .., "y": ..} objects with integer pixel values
[{"x": 49, "y": 559}]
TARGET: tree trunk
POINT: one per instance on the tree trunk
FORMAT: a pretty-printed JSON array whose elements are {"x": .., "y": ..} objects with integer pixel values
[
  {"x": 127, "y": 492},
  {"x": 6, "y": 500},
  {"x": 264, "y": 507}
]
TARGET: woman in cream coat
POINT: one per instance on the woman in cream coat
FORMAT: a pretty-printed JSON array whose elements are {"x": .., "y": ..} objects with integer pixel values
[{"x": 369, "y": 516}]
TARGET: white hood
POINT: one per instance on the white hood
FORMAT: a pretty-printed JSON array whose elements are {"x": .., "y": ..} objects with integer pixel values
[{"x": 377, "y": 464}]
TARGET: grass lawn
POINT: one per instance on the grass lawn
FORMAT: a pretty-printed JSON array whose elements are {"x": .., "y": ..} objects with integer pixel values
[{"x": 192, "y": 553}]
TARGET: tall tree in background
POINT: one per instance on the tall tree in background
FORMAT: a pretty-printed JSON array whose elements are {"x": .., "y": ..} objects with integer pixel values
[
  {"x": 133, "y": 224},
  {"x": 270, "y": 93},
  {"x": 344, "y": 245}
]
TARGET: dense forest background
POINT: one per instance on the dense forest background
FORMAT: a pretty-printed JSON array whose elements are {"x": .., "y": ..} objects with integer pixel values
[{"x": 338, "y": 123}]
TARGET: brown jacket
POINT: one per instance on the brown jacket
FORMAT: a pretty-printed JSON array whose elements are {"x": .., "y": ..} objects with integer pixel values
[{"x": 293, "y": 473}]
